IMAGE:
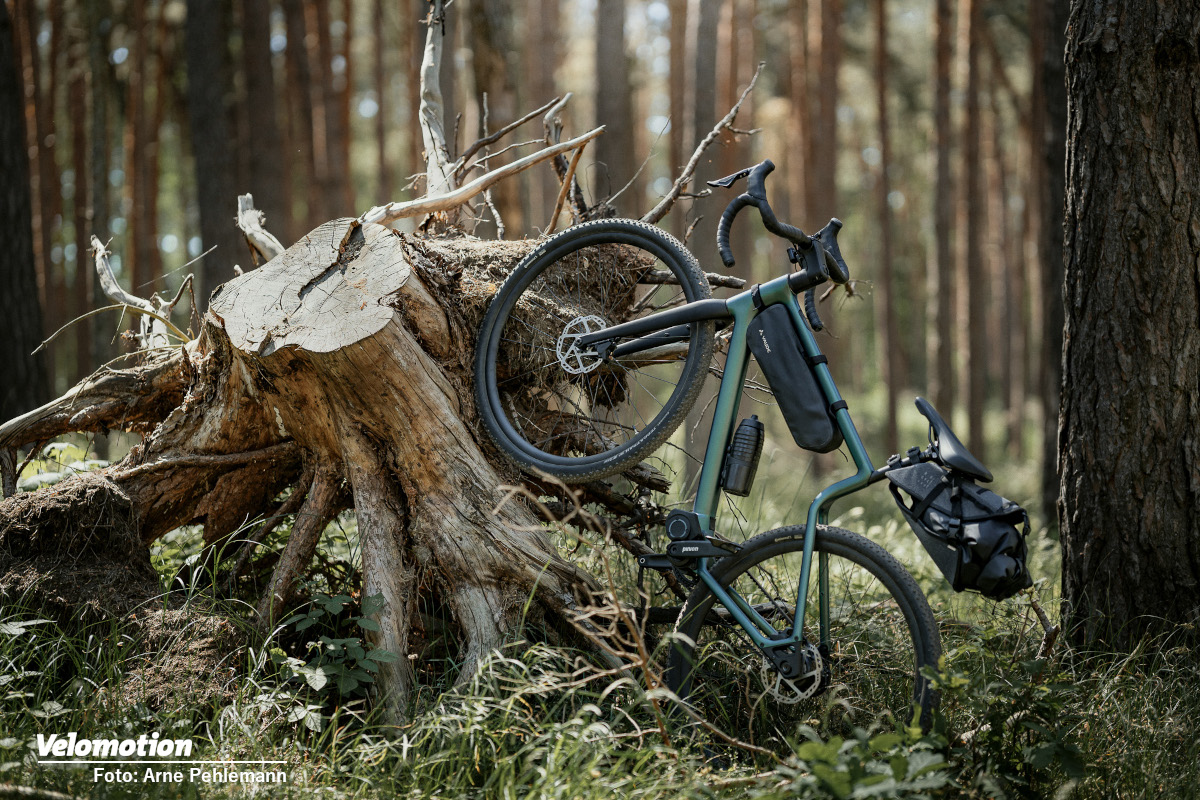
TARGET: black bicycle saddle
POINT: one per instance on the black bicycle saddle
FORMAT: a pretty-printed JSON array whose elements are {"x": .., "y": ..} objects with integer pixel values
[{"x": 952, "y": 452}]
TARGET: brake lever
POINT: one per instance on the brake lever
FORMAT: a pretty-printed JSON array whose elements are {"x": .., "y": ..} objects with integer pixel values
[{"x": 730, "y": 180}]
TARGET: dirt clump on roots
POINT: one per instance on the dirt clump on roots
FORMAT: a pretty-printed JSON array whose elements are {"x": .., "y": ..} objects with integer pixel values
[
  {"x": 76, "y": 557},
  {"x": 75, "y": 554}
]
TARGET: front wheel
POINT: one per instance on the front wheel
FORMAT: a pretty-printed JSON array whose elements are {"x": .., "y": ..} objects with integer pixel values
[
  {"x": 880, "y": 635},
  {"x": 552, "y": 405}
]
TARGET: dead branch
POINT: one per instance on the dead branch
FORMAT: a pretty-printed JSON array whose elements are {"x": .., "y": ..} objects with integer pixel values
[
  {"x": 567, "y": 182},
  {"x": 154, "y": 327},
  {"x": 552, "y": 126},
  {"x": 454, "y": 199},
  {"x": 439, "y": 174},
  {"x": 664, "y": 205},
  {"x": 460, "y": 166},
  {"x": 250, "y": 221},
  {"x": 658, "y": 276},
  {"x": 1051, "y": 631}
]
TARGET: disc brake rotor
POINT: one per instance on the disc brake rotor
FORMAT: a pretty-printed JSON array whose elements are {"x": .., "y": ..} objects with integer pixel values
[
  {"x": 792, "y": 690},
  {"x": 571, "y": 357}
]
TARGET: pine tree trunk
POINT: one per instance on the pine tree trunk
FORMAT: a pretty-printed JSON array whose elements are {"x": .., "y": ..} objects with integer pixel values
[
  {"x": 941, "y": 284},
  {"x": 973, "y": 217},
  {"x": 24, "y": 384},
  {"x": 205, "y": 44},
  {"x": 379, "y": 77},
  {"x": 264, "y": 145},
  {"x": 886, "y": 329},
  {"x": 300, "y": 116},
  {"x": 81, "y": 294},
  {"x": 801, "y": 120},
  {"x": 1130, "y": 454},
  {"x": 678, "y": 142},
  {"x": 542, "y": 59},
  {"x": 1053, "y": 212},
  {"x": 490, "y": 22},
  {"x": 615, "y": 163}
]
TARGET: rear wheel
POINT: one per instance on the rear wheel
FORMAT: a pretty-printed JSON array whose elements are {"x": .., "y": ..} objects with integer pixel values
[
  {"x": 881, "y": 634},
  {"x": 551, "y": 404}
]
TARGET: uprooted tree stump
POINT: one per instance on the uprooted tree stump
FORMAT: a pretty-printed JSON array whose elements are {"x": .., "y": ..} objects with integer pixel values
[{"x": 342, "y": 369}]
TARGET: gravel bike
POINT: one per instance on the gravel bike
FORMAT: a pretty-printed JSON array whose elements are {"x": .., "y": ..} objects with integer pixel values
[{"x": 591, "y": 355}]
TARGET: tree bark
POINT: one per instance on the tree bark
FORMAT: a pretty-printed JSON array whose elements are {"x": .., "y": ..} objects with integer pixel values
[
  {"x": 1130, "y": 455},
  {"x": 97, "y": 14},
  {"x": 678, "y": 141},
  {"x": 24, "y": 384},
  {"x": 1053, "y": 198},
  {"x": 81, "y": 287},
  {"x": 801, "y": 120},
  {"x": 542, "y": 59},
  {"x": 300, "y": 104},
  {"x": 491, "y": 36},
  {"x": 379, "y": 77}
]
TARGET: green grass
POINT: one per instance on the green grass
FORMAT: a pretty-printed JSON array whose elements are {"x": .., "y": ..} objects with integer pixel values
[{"x": 548, "y": 722}]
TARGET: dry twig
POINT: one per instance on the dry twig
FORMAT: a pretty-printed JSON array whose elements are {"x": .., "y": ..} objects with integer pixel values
[{"x": 664, "y": 205}]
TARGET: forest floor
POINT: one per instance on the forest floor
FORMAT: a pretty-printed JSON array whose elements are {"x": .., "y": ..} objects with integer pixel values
[{"x": 546, "y": 721}]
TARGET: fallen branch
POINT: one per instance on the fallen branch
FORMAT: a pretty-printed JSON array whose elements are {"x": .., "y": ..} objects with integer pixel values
[
  {"x": 1051, "y": 631},
  {"x": 447, "y": 202},
  {"x": 664, "y": 205}
]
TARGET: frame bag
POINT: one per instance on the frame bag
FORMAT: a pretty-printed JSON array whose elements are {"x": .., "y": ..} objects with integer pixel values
[
  {"x": 776, "y": 346},
  {"x": 976, "y": 537}
]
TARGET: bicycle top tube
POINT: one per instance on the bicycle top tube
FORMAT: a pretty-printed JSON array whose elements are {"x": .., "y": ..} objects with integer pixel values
[{"x": 662, "y": 323}]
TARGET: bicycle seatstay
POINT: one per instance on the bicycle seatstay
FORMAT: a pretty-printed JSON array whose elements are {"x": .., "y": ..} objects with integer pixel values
[{"x": 743, "y": 310}]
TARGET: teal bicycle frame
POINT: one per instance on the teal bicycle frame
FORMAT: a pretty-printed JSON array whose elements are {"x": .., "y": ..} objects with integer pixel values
[{"x": 708, "y": 493}]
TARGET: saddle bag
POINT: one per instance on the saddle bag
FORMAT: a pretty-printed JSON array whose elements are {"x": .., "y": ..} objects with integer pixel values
[
  {"x": 976, "y": 537},
  {"x": 776, "y": 346}
]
